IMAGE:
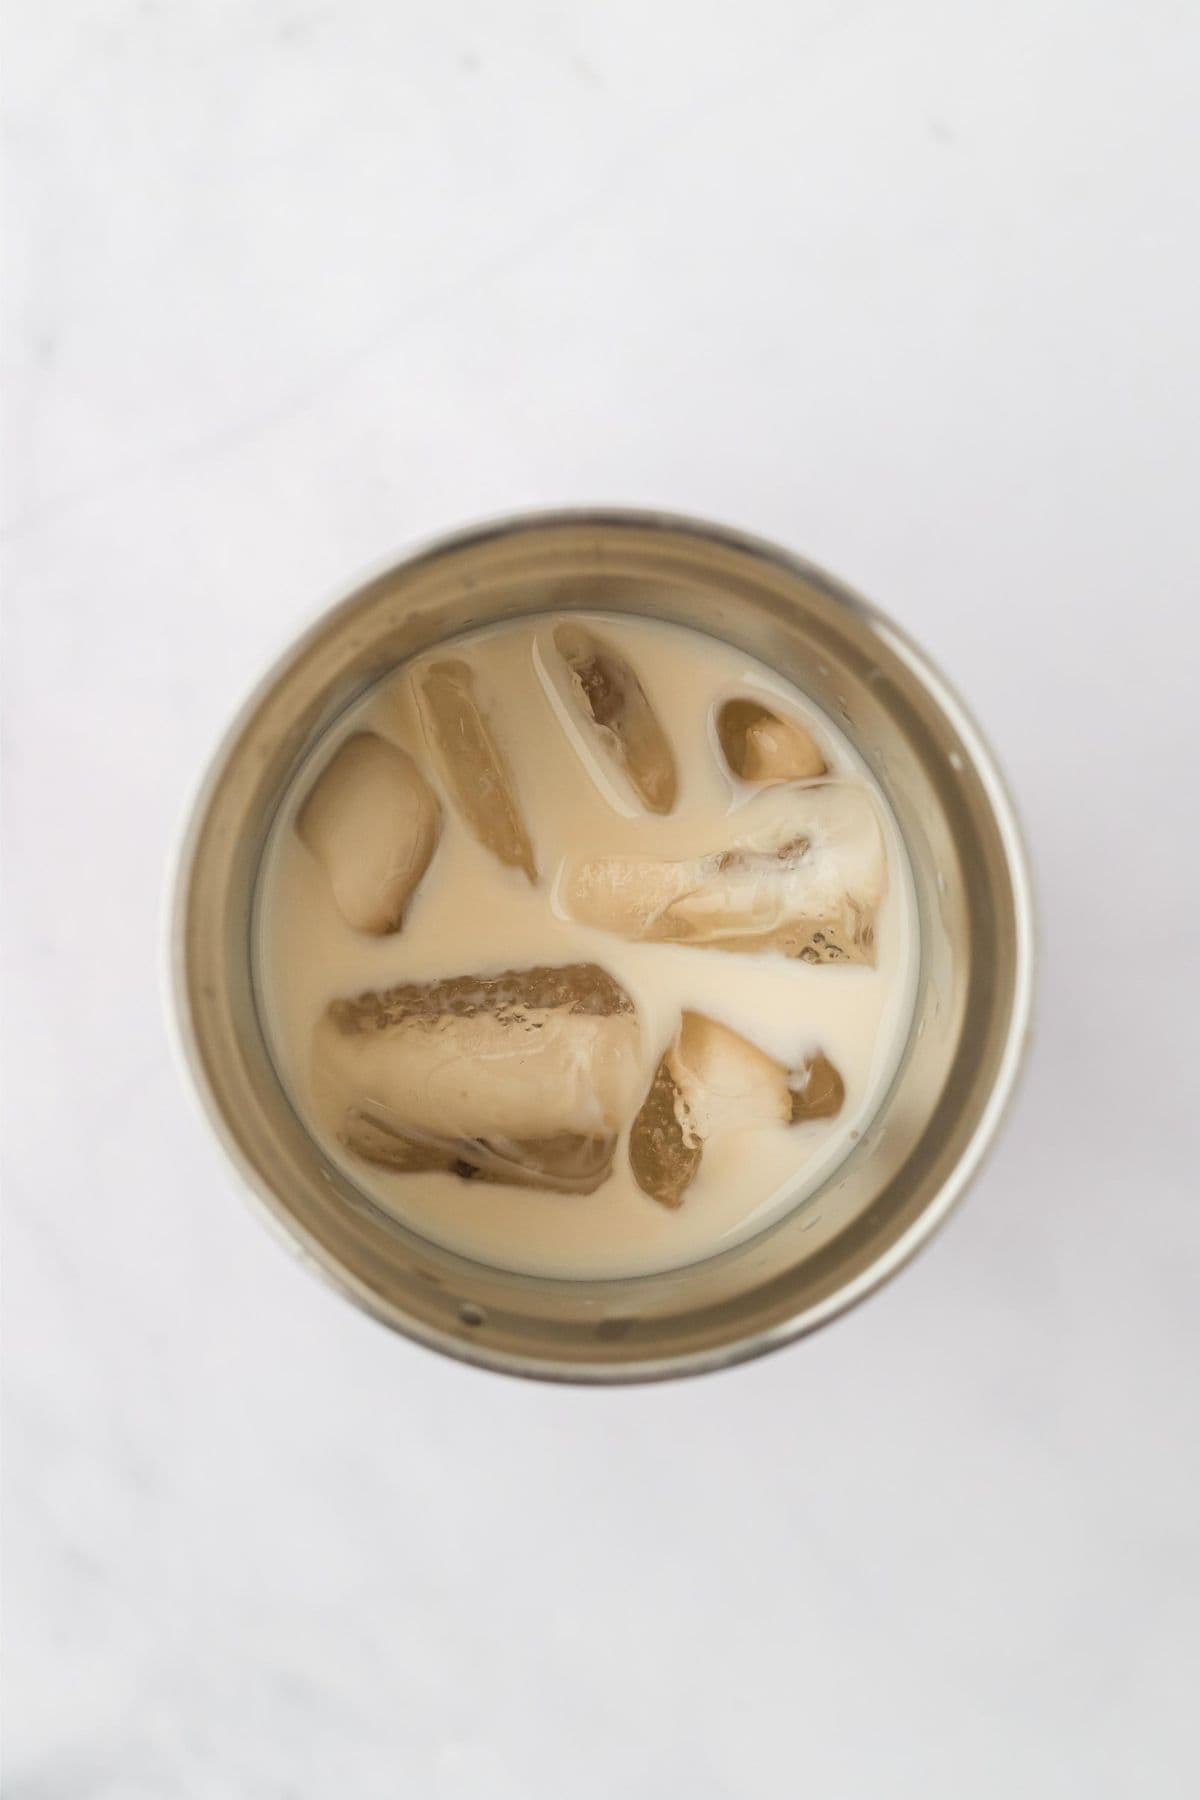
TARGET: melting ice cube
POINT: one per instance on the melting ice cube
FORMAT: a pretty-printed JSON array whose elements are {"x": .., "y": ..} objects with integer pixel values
[
  {"x": 523, "y": 1077},
  {"x": 664, "y": 1147},
  {"x": 818, "y": 1090},
  {"x": 475, "y": 770},
  {"x": 807, "y": 885},
  {"x": 372, "y": 822},
  {"x": 712, "y": 1080},
  {"x": 607, "y": 693},
  {"x": 762, "y": 746}
]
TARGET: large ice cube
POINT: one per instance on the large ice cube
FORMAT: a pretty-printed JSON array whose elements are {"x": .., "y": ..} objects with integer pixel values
[
  {"x": 711, "y": 1081},
  {"x": 372, "y": 822},
  {"x": 523, "y": 1077},
  {"x": 612, "y": 701},
  {"x": 807, "y": 884},
  {"x": 475, "y": 770},
  {"x": 762, "y": 746}
]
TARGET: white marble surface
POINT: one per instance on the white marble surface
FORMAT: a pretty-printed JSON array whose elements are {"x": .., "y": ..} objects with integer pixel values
[{"x": 910, "y": 288}]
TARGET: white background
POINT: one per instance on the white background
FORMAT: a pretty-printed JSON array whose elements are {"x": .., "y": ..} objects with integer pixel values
[{"x": 910, "y": 288}]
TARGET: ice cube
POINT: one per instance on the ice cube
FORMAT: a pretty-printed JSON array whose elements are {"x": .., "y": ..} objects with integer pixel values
[
  {"x": 607, "y": 693},
  {"x": 523, "y": 1077},
  {"x": 712, "y": 1081},
  {"x": 818, "y": 1090},
  {"x": 372, "y": 822},
  {"x": 730, "y": 1084},
  {"x": 475, "y": 770},
  {"x": 806, "y": 884},
  {"x": 762, "y": 746},
  {"x": 664, "y": 1150}
]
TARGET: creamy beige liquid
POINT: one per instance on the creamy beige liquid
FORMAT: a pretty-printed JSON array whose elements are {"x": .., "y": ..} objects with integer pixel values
[{"x": 472, "y": 915}]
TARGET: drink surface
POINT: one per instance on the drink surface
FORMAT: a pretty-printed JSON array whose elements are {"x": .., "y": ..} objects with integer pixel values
[{"x": 586, "y": 945}]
